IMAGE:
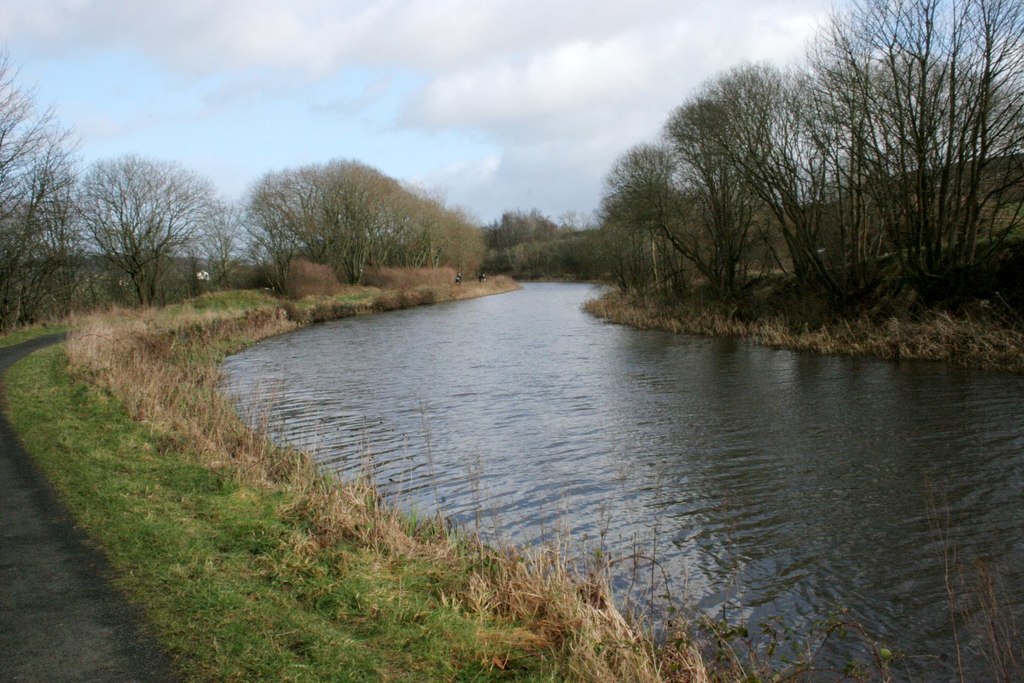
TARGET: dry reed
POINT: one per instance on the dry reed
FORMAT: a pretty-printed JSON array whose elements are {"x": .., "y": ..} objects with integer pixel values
[{"x": 936, "y": 335}]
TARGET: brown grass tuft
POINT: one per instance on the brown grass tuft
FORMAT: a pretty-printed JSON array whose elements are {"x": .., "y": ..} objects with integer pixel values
[{"x": 310, "y": 279}]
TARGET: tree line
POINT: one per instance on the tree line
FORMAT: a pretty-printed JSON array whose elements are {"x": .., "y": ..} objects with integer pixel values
[
  {"x": 889, "y": 163},
  {"x": 891, "y": 159},
  {"x": 139, "y": 231},
  {"x": 529, "y": 245}
]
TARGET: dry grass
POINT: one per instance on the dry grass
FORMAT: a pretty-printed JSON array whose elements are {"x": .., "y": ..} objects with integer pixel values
[
  {"x": 310, "y": 279},
  {"x": 969, "y": 341},
  {"x": 419, "y": 287},
  {"x": 153, "y": 364},
  {"x": 408, "y": 278},
  {"x": 165, "y": 370},
  {"x": 408, "y": 287},
  {"x": 473, "y": 288}
]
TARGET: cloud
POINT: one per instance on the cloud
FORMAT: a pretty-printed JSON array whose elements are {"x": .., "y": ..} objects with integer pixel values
[
  {"x": 563, "y": 112},
  {"x": 320, "y": 36},
  {"x": 358, "y": 100},
  {"x": 593, "y": 79},
  {"x": 559, "y": 88},
  {"x": 567, "y": 77},
  {"x": 193, "y": 36}
]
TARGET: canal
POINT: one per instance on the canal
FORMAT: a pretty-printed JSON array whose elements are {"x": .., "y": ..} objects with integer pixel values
[{"x": 764, "y": 483}]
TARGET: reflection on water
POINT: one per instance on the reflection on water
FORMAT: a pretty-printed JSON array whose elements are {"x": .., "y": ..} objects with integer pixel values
[{"x": 771, "y": 482}]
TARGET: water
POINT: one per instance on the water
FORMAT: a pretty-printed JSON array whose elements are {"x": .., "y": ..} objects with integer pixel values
[{"x": 765, "y": 482}]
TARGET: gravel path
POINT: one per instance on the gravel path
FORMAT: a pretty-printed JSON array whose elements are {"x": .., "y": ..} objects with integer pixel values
[{"x": 60, "y": 617}]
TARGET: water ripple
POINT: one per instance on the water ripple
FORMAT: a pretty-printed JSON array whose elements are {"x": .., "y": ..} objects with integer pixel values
[{"x": 768, "y": 482}]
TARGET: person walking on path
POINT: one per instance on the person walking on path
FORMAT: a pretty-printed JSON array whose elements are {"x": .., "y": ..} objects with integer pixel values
[{"x": 60, "y": 617}]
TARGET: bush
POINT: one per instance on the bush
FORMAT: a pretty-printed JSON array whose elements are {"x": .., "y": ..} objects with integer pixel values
[{"x": 310, "y": 279}]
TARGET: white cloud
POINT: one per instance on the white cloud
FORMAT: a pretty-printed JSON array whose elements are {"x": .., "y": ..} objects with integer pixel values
[
  {"x": 318, "y": 36},
  {"x": 565, "y": 111},
  {"x": 566, "y": 78},
  {"x": 561, "y": 87},
  {"x": 635, "y": 68}
]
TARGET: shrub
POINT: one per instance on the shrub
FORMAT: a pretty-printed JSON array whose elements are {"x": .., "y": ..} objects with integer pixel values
[
  {"x": 408, "y": 278},
  {"x": 310, "y": 279}
]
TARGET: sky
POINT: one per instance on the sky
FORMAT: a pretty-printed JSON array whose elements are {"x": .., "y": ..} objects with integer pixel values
[{"x": 493, "y": 104}]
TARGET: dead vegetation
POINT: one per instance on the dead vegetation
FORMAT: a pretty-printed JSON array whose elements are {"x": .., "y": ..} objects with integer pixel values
[{"x": 969, "y": 339}]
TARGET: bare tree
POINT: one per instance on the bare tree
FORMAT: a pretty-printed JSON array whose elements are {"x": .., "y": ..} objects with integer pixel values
[
  {"x": 37, "y": 240},
  {"x": 943, "y": 84},
  {"x": 432, "y": 233},
  {"x": 641, "y": 195},
  {"x": 348, "y": 216},
  {"x": 331, "y": 214},
  {"x": 764, "y": 134},
  {"x": 507, "y": 239},
  {"x": 717, "y": 231},
  {"x": 626, "y": 253},
  {"x": 426, "y": 240},
  {"x": 462, "y": 240},
  {"x": 141, "y": 214},
  {"x": 213, "y": 259},
  {"x": 273, "y": 211},
  {"x": 840, "y": 122},
  {"x": 894, "y": 156},
  {"x": 221, "y": 245},
  {"x": 360, "y": 216}
]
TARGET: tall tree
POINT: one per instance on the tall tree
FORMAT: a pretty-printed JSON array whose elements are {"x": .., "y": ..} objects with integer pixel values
[
  {"x": 716, "y": 233},
  {"x": 37, "y": 240},
  {"x": 641, "y": 195},
  {"x": 141, "y": 214},
  {"x": 942, "y": 82},
  {"x": 348, "y": 216}
]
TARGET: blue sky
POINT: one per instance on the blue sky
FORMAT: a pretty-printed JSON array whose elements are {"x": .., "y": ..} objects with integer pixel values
[{"x": 496, "y": 104}]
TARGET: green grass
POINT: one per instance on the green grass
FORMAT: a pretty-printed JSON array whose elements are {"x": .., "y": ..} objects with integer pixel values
[
  {"x": 25, "y": 334},
  {"x": 248, "y": 562},
  {"x": 219, "y": 567},
  {"x": 233, "y": 299}
]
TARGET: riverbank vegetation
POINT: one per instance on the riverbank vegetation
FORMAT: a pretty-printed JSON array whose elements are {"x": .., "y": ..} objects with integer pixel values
[
  {"x": 869, "y": 200},
  {"x": 531, "y": 246},
  {"x": 968, "y": 339},
  {"x": 24, "y": 334},
  {"x": 251, "y": 564}
]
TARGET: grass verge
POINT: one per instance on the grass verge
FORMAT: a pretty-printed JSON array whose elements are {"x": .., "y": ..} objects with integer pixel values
[
  {"x": 228, "y": 572},
  {"x": 250, "y": 563},
  {"x": 25, "y": 334}
]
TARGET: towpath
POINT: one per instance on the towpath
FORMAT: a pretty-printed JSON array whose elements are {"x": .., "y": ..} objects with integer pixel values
[{"x": 60, "y": 617}]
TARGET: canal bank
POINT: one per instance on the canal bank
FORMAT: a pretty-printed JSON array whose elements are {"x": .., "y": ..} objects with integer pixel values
[
  {"x": 980, "y": 339},
  {"x": 251, "y": 564},
  {"x": 770, "y": 487}
]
